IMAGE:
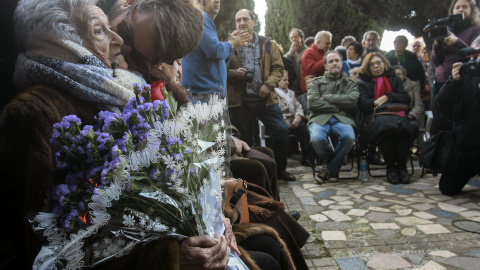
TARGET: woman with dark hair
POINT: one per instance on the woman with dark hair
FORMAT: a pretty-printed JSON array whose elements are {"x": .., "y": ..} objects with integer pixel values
[
  {"x": 354, "y": 56},
  {"x": 379, "y": 85},
  {"x": 461, "y": 35}
]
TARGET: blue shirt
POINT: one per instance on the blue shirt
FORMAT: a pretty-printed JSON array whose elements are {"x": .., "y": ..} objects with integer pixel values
[{"x": 205, "y": 68}]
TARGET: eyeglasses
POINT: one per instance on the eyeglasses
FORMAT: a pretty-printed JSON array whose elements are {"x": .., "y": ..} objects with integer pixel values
[
  {"x": 377, "y": 63},
  {"x": 123, "y": 30}
]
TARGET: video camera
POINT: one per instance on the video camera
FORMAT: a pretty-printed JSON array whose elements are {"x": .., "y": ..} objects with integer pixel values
[
  {"x": 438, "y": 29},
  {"x": 472, "y": 67}
]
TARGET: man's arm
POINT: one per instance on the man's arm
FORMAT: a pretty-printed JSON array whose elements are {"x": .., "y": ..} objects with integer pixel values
[
  {"x": 276, "y": 67},
  {"x": 210, "y": 45},
  {"x": 316, "y": 102},
  {"x": 347, "y": 99},
  {"x": 311, "y": 65}
]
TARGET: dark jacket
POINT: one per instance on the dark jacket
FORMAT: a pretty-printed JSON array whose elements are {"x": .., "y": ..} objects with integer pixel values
[
  {"x": 444, "y": 56},
  {"x": 466, "y": 94},
  {"x": 415, "y": 71},
  {"x": 272, "y": 71},
  {"x": 366, "y": 87}
]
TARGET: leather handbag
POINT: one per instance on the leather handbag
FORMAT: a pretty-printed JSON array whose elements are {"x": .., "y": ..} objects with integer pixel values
[
  {"x": 236, "y": 195},
  {"x": 385, "y": 109}
]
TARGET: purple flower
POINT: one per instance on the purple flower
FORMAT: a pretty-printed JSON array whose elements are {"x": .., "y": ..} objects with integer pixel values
[
  {"x": 188, "y": 151},
  {"x": 60, "y": 191},
  {"x": 178, "y": 156}
]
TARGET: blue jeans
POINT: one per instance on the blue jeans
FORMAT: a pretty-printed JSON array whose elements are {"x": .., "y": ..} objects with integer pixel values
[
  {"x": 319, "y": 141},
  {"x": 244, "y": 118}
]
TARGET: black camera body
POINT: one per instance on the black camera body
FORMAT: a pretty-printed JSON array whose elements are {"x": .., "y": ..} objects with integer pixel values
[
  {"x": 249, "y": 75},
  {"x": 472, "y": 67},
  {"x": 438, "y": 29}
]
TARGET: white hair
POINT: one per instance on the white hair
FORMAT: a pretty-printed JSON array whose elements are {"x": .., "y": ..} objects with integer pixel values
[
  {"x": 322, "y": 34},
  {"x": 48, "y": 17}
]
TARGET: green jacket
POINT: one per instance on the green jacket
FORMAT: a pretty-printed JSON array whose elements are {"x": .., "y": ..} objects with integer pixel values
[
  {"x": 272, "y": 71},
  {"x": 339, "y": 98}
]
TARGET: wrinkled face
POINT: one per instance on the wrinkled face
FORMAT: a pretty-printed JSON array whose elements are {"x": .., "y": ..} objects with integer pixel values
[
  {"x": 399, "y": 73},
  {"x": 399, "y": 44},
  {"x": 355, "y": 73},
  {"x": 98, "y": 37},
  {"x": 351, "y": 54},
  {"x": 371, "y": 41},
  {"x": 136, "y": 32},
  {"x": 295, "y": 38},
  {"x": 284, "y": 81},
  {"x": 334, "y": 64},
  {"x": 324, "y": 43},
  {"x": 376, "y": 66},
  {"x": 244, "y": 22},
  {"x": 462, "y": 6},
  {"x": 211, "y": 7}
]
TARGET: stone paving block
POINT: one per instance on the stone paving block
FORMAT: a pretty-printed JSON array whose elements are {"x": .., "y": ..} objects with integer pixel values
[
  {"x": 384, "y": 226},
  {"x": 325, "y": 194},
  {"x": 385, "y": 233},
  {"x": 308, "y": 201},
  {"x": 331, "y": 226},
  {"x": 410, "y": 221},
  {"x": 336, "y": 215},
  {"x": 442, "y": 253},
  {"x": 387, "y": 261},
  {"x": 318, "y": 218},
  {"x": 300, "y": 192},
  {"x": 379, "y": 209},
  {"x": 474, "y": 252},
  {"x": 351, "y": 263},
  {"x": 370, "y": 198},
  {"x": 403, "y": 212},
  {"x": 424, "y": 215},
  {"x": 461, "y": 262},
  {"x": 457, "y": 201},
  {"x": 382, "y": 249},
  {"x": 470, "y": 214},
  {"x": 409, "y": 232},
  {"x": 310, "y": 209},
  {"x": 451, "y": 208},
  {"x": 431, "y": 265},
  {"x": 333, "y": 236},
  {"x": 379, "y": 217},
  {"x": 422, "y": 206},
  {"x": 433, "y": 229},
  {"x": 340, "y": 198},
  {"x": 415, "y": 258},
  {"x": 357, "y": 212},
  {"x": 326, "y": 202}
]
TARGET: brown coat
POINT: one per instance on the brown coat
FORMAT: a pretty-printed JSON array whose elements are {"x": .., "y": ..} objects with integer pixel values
[{"x": 272, "y": 71}]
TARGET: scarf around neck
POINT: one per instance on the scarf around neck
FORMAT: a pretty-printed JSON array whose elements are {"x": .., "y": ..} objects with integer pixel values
[
  {"x": 382, "y": 86},
  {"x": 68, "y": 67},
  {"x": 355, "y": 62},
  {"x": 281, "y": 93}
]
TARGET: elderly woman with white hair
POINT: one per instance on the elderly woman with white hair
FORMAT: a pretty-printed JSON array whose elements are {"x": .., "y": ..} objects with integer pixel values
[{"x": 70, "y": 63}]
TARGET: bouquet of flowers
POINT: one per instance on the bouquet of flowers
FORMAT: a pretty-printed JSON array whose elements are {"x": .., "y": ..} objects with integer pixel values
[{"x": 149, "y": 172}]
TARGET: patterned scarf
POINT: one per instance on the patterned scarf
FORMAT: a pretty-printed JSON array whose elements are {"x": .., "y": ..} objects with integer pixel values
[
  {"x": 67, "y": 66},
  {"x": 382, "y": 86}
]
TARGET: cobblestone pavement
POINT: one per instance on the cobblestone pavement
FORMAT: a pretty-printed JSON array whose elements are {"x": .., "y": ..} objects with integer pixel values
[{"x": 375, "y": 225}]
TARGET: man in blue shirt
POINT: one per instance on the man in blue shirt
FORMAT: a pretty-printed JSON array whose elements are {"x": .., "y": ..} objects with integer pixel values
[{"x": 205, "y": 68}]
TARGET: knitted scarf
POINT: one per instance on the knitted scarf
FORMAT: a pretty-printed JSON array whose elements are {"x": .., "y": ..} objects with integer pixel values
[
  {"x": 382, "y": 86},
  {"x": 281, "y": 93},
  {"x": 67, "y": 66}
]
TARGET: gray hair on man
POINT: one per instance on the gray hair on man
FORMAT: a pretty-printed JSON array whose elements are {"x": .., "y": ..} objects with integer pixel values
[
  {"x": 371, "y": 32},
  {"x": 54, "y": 17},
  {"x": 322, "y": 34}
]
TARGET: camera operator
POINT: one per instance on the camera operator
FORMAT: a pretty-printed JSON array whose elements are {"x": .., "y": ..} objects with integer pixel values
[
  {"x": 461, "y": 33},
  {"x": 462, "y": 89}
]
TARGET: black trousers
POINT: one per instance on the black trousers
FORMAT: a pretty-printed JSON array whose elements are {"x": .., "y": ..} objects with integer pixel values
[{"x": 264, "y": 250}]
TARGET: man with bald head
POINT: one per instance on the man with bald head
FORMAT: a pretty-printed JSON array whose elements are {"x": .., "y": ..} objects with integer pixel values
[{"x": 254, "y": 72}]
